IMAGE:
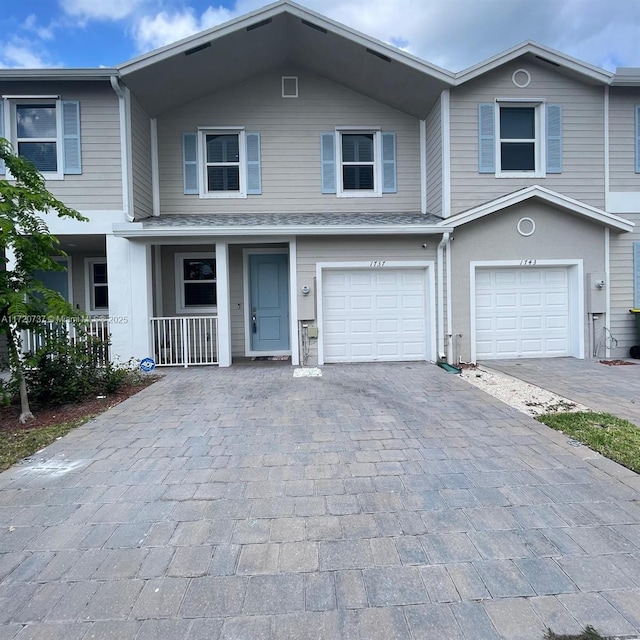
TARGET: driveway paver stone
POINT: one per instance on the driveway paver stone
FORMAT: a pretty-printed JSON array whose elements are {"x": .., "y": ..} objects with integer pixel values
[{"x": 378, "y": 501}]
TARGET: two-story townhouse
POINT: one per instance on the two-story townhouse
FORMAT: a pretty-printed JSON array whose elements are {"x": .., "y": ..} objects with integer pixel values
[{"x": 282, "y": 186}]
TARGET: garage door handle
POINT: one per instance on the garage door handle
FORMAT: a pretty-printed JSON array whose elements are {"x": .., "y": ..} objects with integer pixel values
[{"x": 254, "y": 322}]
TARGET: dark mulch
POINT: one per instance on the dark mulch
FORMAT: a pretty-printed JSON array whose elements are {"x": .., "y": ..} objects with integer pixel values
[
  {"x": 616, "y": 363},
  {"x": 48, "y": 416}
]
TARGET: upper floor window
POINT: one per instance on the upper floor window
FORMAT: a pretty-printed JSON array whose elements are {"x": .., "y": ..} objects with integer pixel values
[
  {"x": 221, "y": 163},
  {"x": 45, "y": 131},
  {"x": 517, "y": 139},
  {"x": 358, "y": 162},
  {"x": 358, "y": 158},
  {"x": 37, "y": 135}
]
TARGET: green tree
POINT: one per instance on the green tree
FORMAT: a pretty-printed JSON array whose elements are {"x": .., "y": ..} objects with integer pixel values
[{"x": 23, "y": 233}]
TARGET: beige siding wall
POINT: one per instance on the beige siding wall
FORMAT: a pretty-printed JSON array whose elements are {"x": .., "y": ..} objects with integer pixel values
[
  {"x": 623, "y": 327},
  {"x": 310, "y": 251},
  {"x": 99, "y": 187},
  {"x": 583, "y": 136},
  {"x": 554, "y": 239},
  {"x": 290, "y": 138},
  {"x": 434, "y": 161},
  {"x": 141, "y": 161},
  {"x": 622, "y": 156}
]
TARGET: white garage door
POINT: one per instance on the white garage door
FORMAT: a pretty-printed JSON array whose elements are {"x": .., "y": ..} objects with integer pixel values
[
  {"x": 522, "y": 313},
  {"x": 374, "y": 315}
]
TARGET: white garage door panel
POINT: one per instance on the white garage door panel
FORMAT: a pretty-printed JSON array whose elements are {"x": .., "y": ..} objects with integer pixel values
[
  {"x": 371, "y": 315},
  {"x": 522, "y": 313}
]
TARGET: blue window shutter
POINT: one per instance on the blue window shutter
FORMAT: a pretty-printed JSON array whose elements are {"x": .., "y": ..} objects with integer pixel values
[
  {"x": 486, "y": 138},
  {"x": 636, "y": 275},
  {"x": 554, "y": 138},
  {"x": 190, "y": 162},
  {"x": 328, "y": 159},
  {"x": 637, "y": 138},
  {"x": 389, "y": 163},
  {"x": 72, "y": 147},
  {"x": 254, "y": 177},
  {"x": 2, "y": 169}
]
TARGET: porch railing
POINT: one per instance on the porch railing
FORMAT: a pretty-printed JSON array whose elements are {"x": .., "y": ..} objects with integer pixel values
[
  {"x": 185, "y": 340},
  {"x": 95, "y": 327}
]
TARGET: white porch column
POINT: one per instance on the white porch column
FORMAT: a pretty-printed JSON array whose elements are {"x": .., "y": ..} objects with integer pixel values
[
  {"x": 224, "y": 304},
  {"x": 130, "y": 298}
]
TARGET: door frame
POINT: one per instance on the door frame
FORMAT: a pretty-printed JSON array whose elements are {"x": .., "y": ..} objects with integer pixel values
[
  {"x": 575, "y": 274},
  {"x": 248, "y": 352},
  {"x": 430, "y": 295}
]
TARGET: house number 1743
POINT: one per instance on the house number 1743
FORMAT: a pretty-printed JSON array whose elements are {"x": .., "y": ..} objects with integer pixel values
[{"x": 377, "y": 263}]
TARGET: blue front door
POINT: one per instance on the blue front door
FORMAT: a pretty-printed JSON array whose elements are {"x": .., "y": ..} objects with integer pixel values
[
  {"x": 55, "y": 280},
  {"x": 269, "y": 300}
]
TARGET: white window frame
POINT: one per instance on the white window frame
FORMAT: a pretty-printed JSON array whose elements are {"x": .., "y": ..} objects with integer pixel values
[
  {"x": 539, "y": 141},
  {"x": 376, "y": 192},
  {"x": 181, "y": 307},
  {"x": 11, "y": 129},
  {"x": 203, "y": 132},
  {"x": 90, "y": 286}
]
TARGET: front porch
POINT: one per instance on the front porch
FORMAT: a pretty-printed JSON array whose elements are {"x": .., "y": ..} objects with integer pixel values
[{"x": 205, "y": 303}]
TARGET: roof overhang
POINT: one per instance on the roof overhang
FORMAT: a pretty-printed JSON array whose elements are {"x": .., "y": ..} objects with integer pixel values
[
  {"x": 626, "y": 77},
  {"x": 562, "y": 63},
  {"x": 58, "y": 74},
  {"x": 547, "y": 196},
  {"x": 283, "y": 35}
]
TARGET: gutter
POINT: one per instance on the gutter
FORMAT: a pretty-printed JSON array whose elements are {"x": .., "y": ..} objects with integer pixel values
[
  {"x": 138, "y": 230},
  {"x": 124, "y": 147}
]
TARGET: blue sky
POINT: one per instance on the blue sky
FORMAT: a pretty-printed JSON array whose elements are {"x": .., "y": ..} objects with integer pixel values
[{"x": 454, "y": 34}]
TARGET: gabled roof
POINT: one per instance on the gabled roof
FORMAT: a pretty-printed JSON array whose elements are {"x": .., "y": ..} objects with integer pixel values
[
  {"x": 561, "y": 62},
  {"x": 627, "y": 77},
  {"x": 547, "y": 196},
  {"x": 283, "y": 35}
]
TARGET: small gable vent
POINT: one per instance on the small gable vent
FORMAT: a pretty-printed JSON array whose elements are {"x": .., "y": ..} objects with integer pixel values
[{"x": 289, "y": 86}]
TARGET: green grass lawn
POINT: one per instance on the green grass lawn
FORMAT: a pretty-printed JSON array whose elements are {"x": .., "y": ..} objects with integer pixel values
[
  {"x": 24, "y": 442},
  {"x": 613, "y": 437}
]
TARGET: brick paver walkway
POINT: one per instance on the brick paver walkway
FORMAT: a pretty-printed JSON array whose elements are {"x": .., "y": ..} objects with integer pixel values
[
  {"x": 613, "y": 389},
  {"x": 377, "y": 502}
]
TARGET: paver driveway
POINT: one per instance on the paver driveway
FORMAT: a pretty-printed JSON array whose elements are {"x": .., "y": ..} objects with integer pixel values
[{"x": 382, "y": 501}]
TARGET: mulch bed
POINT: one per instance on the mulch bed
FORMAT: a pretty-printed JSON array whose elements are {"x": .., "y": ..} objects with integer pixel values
[
  {"x": 48, "y": 416},
  {"x": 616, "y": 363}
]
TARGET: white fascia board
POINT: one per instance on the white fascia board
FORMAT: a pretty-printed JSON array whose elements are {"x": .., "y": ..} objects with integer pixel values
[
  {"x": 136, "y": 230},
  {"x": 548, "y": 196},
  {"x": 57, "y": 74},
  {"x": 561, "y": 59},
  {"x": 100, "y": 222}
]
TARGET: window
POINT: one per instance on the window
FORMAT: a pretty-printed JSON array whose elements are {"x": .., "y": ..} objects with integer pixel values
[
  {"x": 37, "y": 138},
  {"x": 97, "y": 285},
  {"x": 358, "y": 162},
  {"x": 196, "y": 288},
  {"x": 221, "y": 163},
  {"x": 44, "y": 130},
  {"x": 519, "y": 138}
]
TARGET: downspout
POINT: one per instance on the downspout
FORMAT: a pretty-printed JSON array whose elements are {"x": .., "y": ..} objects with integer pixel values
[
  {"x": 450, "y": 347},
  {"x": 440, "y": 267},
  {"x": 423, "y": 166},
  {"x": 124, "y": 147}
]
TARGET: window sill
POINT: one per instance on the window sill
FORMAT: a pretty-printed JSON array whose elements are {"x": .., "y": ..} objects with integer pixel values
[
  {"x": 224, "y": 196},
  {"x": 359, "y": 194},
  {"x": 523, "y": 174}
]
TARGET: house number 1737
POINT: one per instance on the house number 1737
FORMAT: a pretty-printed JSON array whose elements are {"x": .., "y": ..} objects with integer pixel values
[{"x": 377, "y": 263}]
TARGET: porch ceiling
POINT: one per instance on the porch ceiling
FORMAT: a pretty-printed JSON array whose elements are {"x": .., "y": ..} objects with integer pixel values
[{"x": 285, "y": 37}]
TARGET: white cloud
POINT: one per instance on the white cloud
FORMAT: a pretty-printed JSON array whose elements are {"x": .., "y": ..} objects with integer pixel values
[
  {"x": 100, "y": 9},
  {"x": 44, "y": 33},
  {"x": 21, "y": 53},
  {"x": 155, "y": 31}
]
